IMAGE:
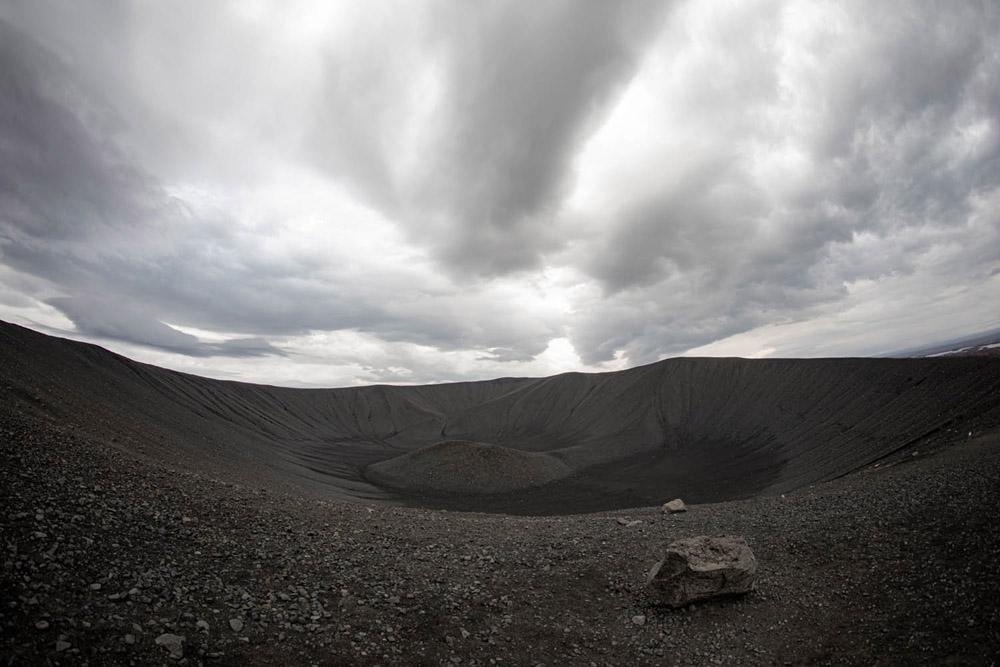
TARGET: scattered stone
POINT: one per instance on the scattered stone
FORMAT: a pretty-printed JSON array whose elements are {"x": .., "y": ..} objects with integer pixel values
[
  {"x": 236, "y": 624},
  {"x": 628, "y": 523},
  {"x": 62, "y": 645},
  {"x": 130, "y": 638},
  {"x": 173, "y": 643},
  {"x": 699, "y": 568},
  {"x": 674, "y": 506},
  {"x": 95, "y": 586},
  {"x": 639, "y": 619},
  {"x": 42, "y": 625},
  {"x": 203, "y": 625}
]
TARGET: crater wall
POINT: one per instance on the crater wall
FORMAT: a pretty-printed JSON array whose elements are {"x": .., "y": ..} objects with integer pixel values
[{"x": 707, "y": 429}]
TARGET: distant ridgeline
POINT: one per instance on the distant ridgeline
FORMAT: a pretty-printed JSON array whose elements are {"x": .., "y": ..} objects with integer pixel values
[{"x": 703, "y": 429}]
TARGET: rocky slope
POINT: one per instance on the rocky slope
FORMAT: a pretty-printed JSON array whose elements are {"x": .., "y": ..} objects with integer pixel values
[{"x": 104, "y": 552}]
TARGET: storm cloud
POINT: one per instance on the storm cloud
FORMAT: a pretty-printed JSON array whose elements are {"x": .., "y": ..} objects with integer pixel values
[{"x": 324, "y": 193}]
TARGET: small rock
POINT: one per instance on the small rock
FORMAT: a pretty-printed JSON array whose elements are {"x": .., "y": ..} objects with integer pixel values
[
  {"x": 203, "y": 625},
  {"x": 95, "y": 587},
  {"x": 42, "y": 625},
  {"x": 639, "y": 619},
  {"x": 674, "y": 506},
  {"x": 236, "y": 624},
  {"x": 130, "y": 638},
  {"x": 173, "y": 643},
  {"x": 628, "y": 523},
  {"x": 62, "y": 645}
]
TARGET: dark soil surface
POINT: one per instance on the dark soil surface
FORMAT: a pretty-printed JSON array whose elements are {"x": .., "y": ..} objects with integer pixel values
[
  {"x": 104, "y": 552},
  {"x": 466, "y": 468},
  {"x": 136, "y": 503}
]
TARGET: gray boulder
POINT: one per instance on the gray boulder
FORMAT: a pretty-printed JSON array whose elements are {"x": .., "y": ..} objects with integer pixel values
[{"x": 699, "y": 568}]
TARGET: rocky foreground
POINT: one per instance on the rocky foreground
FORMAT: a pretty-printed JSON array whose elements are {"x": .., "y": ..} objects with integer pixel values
[{"x": 111, "y": 560}]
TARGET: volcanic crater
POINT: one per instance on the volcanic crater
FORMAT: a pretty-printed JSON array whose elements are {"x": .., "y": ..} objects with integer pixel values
[
  {"x": 707, "y": 429},
  {"x": 154, "y": 516}
]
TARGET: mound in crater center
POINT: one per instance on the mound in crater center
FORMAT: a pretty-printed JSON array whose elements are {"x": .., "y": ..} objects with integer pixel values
[{"x": 465, "y": 467}]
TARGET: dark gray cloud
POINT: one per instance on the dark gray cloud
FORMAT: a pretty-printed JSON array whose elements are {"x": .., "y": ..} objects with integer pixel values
[
  {"x": 713, "y": 250},
  {"x": 515, "y": 91},
  {"x": 478, "y": 181},
  {"x": 128, "y": 322},
  {"x": 77, "y": 211}
]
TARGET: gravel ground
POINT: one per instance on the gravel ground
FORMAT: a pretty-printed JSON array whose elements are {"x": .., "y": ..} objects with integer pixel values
[{"x": 103, "y": 554}]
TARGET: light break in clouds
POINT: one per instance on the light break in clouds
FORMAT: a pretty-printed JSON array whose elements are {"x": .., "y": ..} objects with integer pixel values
[{"x": 340, "y": 193}]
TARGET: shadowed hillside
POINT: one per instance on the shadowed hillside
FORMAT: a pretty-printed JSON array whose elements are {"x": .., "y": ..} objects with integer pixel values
[{"x": 705, "y": 429}]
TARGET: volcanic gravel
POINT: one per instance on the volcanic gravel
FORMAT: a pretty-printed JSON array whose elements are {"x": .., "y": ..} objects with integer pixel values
[{"x": 109, "y": 559}]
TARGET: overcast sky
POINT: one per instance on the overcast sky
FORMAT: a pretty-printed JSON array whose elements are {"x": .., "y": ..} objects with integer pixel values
[{"x": 334, "y": 193}]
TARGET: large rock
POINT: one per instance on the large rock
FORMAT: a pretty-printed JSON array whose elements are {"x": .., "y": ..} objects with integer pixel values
[
  {"x": 674, "y": 506},
  {"x": 698, "y": 568}
]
